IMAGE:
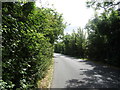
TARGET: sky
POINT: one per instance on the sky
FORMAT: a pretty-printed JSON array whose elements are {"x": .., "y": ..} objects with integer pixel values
[{"x": 74, "y": 12}]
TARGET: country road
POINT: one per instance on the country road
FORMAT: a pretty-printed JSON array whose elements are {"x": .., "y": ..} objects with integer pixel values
[{"x": 70, "y": 72}]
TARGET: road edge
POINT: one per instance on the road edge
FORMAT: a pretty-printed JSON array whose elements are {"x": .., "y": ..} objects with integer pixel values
[{"x": 46, "y": 82}]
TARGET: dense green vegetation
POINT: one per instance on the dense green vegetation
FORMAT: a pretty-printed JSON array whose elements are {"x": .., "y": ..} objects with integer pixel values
[
  {"x": 72, "y": 44},
  {"x": 103, "y": 40},
  {"x": 102, "y": 43},
  {"x": 28, "y": 35}
]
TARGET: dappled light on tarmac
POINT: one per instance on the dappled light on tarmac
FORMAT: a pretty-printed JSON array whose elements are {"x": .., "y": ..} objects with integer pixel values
[{"x": 77, "y": 73}]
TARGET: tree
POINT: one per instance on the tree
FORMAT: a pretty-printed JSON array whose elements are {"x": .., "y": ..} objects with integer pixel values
[
  {"x": 103, "y": 36},
  {"x": 73, "y": 44}
]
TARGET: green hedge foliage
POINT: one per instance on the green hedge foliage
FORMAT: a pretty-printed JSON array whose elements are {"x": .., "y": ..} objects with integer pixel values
[{"x": 28, "y": 35}]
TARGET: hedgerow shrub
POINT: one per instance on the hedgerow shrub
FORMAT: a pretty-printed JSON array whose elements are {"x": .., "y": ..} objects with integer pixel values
[{"x": 28, "y": 35}]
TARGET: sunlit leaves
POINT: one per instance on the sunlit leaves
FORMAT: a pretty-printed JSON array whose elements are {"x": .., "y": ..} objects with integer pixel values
[
  {"x": 72, "y": 44},
  {"x": 28, "y": 35}
]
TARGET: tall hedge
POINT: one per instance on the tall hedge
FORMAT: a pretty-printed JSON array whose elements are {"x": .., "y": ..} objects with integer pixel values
[{"x": 28, "y": 35}]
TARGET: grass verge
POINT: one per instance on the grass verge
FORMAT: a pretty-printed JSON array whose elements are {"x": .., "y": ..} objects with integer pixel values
[{"x": 46, "y": 81}]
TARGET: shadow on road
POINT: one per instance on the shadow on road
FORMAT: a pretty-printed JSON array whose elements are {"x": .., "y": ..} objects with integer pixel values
[{"x": 98, "y": 77}]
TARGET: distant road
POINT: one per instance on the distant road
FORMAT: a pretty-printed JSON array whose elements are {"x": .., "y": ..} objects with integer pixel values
[{"x": 70, "y": 72}]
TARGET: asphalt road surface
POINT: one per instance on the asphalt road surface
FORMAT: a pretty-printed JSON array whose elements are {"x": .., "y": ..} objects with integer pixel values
[{"x": 70, "y": 72}]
